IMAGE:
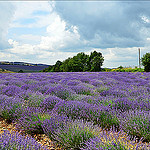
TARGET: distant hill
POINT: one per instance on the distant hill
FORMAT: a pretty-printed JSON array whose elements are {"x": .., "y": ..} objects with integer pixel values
[
  {"x": 5, "y": 71},
  {"x": 22, "y": 66},
  {"x": 21, "y": 63}
]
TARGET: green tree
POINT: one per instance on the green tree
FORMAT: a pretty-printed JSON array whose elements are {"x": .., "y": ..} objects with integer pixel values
[
  {"x": 79, "y": 62},
  {"x": 120, "y": 67},
  {"x": 65, "y": 67},
  {"x": 146, "y": 62},
  {"x": 95, "y": 61},
  {"x": 76, "y": 64},
  {"x": 48, "y": 69},
  {"x": 20, "y": 71},
  {"x": 56, "y": 67}
]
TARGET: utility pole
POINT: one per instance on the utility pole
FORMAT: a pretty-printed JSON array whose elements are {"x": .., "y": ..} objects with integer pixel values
[{"x": 139, "y": 59}]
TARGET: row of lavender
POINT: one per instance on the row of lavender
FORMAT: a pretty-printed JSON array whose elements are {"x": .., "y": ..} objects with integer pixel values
[{"x": 72, "y": 108}]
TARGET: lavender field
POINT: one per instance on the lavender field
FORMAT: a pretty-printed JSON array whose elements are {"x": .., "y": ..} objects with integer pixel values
[
  {"x": 26, "y": 69},
  {"x": 87, "y": 111}
]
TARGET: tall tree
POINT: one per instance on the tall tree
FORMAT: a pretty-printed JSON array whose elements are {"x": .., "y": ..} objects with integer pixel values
[
  {"x": 65, "y": 67},
  {"x": 56, "y": 67},
  {"x": 80, "y": 62},
  {"x": 146, "y": 62},
  {"x": 95, "y": 61}
]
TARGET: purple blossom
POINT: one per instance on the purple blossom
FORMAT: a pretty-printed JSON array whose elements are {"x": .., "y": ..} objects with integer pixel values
[{"x": 16, "y": 141}]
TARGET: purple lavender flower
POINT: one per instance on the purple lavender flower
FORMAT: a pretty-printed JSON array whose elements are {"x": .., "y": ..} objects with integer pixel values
[{"x": 16, "y": 141}]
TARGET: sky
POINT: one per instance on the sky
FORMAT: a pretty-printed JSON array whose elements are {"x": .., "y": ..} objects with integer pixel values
[{"x": 47, "y": 31}]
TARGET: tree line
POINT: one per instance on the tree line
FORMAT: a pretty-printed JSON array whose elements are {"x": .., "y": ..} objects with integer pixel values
[
  {"x": 79, "y": 63},
  {"x": 93, "y": 62}
]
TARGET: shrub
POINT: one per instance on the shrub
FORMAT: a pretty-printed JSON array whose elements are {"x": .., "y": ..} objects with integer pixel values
[
  {"x": 75, "y": 134},
  {"x": 15, "y": 141},
  {"x": 137, "y": 124},
  {"x": 49, "y": 102},
  {"x": 60, "y": 92},
  {"x": 50, "y": 125},
  {"x": 68, "y": 133},
  {"x": 31, "y": 120},
  {"x": 110, "y": 140},
  {"x": 11, "y": 108},
  {"x": 11, "y": 90},
  {"x": 100, "y": 115}
]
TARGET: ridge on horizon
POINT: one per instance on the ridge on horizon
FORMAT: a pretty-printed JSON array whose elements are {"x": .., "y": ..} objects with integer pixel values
[{"x": 21, "y": 63}]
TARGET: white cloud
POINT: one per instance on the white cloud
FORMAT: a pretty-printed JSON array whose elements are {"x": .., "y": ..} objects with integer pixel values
[
  {"x": 52, "y": 57},
  {"x": 29, "y": 38},
  {"x": 114, "y": 57},
  {"x": 72, "y": 29},
  {"x": 21, "y": 49},
  {"x": 145, "y": 19},
  {"x": 6, "y": 14},
  {"x": 5, "y": 56},
  {"x": 28, "y": 9},
  {"x": 59, "y": 37},
  {"x": 38, "y": 55}
]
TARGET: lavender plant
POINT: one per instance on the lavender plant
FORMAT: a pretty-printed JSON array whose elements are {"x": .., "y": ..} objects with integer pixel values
[
  {"x": 113, "y": 141},
  {"x": 49, "y": 102},
  {"x": 11, "y": 90},
  {"x": 31, "y": 120},
  {"x": 50, "y": 125},
  {"x": 11, "y": 108},
  {"x": 80, "y": 110},
  {"x": 117, "y": 99},
  {"x": 69, "y": 134},
  {"x": 35, "y": 99},
  {"x": 15, "y": 141},
  {"x": 83, "y": 89},
  {"x": 137, "y": 124},
  {"x": 60, "y": 91}
]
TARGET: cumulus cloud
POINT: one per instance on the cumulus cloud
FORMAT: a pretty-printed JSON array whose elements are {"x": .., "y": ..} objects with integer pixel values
[
  {"x": 114, "y": 57},
  {"x": 44, "y": 32},
  {"x": 59, "y": 37},
  {"x": 21, "y": 49},
  {"x": 32, "y": 14},
  {"x": 33, "y": 53},
  {"x": 110, "y": 24},
  {"x": 6, "y": 14}
]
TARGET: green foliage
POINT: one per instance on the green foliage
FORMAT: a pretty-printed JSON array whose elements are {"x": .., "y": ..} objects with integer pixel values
[
  {"x": 119, "y": 69},
  {"x": 137, "y": 125},
  {"x": 48, "y": 69},
  {"x": 11, "y": 112},
  {"x": 106, "y": 120},
  {"x": 95, "y": 61},
  {"x": 146, "y": 62},
  {"x": 20, "y": 71},
  {"x": 74, "y": 135},
  {"x": 65, "y": 67},
  {"x": 56, "y": 67},
  {"x": 79, "y": 63}
]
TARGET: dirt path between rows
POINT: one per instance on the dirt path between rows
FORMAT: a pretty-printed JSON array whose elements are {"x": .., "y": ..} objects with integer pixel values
[{"x": 40, "y": 138}]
